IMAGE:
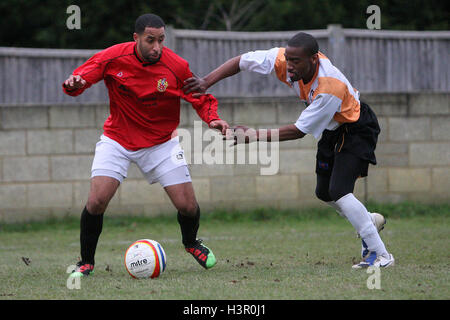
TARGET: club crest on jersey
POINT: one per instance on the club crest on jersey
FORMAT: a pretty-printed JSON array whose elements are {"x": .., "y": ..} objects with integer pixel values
[{"x": 162, "y": 85}]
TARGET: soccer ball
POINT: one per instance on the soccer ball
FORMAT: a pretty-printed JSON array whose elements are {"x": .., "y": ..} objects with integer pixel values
[{"x": 145, "y": 258}]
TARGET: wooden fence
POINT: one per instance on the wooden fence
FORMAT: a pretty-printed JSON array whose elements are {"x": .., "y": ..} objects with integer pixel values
[{"x": 373, "y": 60}]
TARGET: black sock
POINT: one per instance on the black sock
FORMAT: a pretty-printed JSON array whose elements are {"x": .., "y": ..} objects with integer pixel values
[
  {"x": 189, "y": 227},
  {"x": 90, "y": 229}
]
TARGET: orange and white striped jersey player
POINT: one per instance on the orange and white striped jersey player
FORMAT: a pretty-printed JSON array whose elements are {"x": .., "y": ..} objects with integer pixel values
[{"x": 348, "y": 129}]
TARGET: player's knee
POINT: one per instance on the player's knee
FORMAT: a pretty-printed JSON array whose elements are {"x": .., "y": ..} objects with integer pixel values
[{"x": 96, "y": 205}]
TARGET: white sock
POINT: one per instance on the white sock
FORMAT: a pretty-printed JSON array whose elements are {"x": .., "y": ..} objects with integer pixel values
[
  {"x": 336, "y": 207},
  {"x": 360, "y": 219}
]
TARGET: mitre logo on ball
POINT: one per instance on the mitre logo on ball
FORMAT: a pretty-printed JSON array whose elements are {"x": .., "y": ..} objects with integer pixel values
[{"x": 145, "y": 258}]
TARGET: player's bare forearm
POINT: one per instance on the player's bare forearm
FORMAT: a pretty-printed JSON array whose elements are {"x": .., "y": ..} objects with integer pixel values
[
  {"x": 243, "y": 134},
  {"x": 288, "y": 132},
  {"x": 228, "y": 69},
  {"x": 199, "y": 85}
]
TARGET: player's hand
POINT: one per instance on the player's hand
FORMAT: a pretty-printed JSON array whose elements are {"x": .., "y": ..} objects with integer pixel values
[
  {"x": 220, "y": 125},
  {"x": 74, "y": 82},
  {"x": 242, "y": 134},
  {"x": 196, "y": 85}
]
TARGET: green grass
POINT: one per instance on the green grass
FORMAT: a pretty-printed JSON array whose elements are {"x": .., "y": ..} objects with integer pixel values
[{"x": 262, "y": 254}]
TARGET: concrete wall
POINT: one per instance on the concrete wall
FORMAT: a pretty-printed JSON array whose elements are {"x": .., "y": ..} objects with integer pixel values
[{"x": 46, "y": 153}]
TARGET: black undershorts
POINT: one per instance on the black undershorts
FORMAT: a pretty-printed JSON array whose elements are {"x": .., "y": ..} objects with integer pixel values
[
  {"x": 357, "y": 138},
  {"x": 344, "y": 154}
]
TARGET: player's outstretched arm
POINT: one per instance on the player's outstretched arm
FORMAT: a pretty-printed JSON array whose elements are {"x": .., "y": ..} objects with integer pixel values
[
  {"x": 200, "y": 85},
  {"x": 89, "y": 73},
  {"x": 243, "y": 134},
  {"x": 288, "y": 132}
]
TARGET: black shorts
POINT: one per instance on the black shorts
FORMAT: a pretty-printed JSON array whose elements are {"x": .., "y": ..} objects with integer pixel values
[{"x": 358, "y": 138}]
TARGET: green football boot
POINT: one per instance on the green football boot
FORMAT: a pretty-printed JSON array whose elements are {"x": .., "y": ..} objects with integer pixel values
[
  {"x": 82, "y": 270},
  {"x": 204, "y": 256}
]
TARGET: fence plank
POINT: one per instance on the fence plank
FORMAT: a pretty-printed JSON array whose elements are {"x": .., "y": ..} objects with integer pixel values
[{"x": 373, "y": 60}]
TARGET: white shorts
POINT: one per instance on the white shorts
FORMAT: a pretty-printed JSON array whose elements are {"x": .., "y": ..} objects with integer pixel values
[{"x": 163, "y": 163}]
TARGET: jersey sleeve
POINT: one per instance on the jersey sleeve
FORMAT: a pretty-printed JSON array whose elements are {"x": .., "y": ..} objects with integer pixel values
[
  {"x": 260, "y": 61},
  {"x": 91, "y": 71},
  {"x": 206, "y": 105},
  {"x": 318, "y": 115},
  {"x": 266, "y": 61}
]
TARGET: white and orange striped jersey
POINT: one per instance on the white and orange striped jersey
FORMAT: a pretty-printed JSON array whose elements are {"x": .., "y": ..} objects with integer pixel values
[{"x": 330, "y": 98}]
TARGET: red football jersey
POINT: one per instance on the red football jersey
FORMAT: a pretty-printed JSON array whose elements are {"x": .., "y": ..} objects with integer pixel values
[{"x": 144, "y": 97}]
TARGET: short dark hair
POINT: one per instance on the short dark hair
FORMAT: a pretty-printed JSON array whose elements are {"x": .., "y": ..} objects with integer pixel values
[
  {"x": 305, "y": 41},
  {"x": 148, "y": 20}
]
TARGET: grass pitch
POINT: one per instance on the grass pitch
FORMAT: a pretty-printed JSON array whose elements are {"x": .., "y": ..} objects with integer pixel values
[{"x": 262, "y": 255}]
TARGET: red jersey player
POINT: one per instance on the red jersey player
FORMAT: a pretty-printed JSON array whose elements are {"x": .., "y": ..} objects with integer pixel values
[{"x": 144, "y": 81}]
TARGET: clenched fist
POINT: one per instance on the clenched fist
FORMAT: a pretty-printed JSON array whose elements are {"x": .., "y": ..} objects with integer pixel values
[{"x": 74, "y": 82}]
